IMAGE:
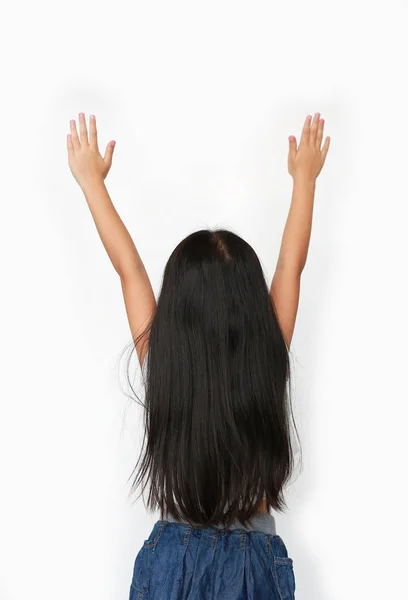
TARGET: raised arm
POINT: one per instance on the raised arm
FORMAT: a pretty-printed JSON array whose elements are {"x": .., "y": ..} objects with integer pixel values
[
  {"x": 90, "y": 169},
  {"x": 304, "y": 164}
]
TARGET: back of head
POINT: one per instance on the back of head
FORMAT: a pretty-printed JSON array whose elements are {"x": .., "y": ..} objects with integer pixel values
[{"x": 217, "y": 404}]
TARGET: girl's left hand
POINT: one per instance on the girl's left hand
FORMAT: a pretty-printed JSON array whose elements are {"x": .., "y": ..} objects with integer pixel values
[{"x": 87, "y": 165}]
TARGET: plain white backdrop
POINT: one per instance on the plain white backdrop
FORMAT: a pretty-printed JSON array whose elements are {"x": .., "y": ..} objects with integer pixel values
[{"x": 201, "y": 98}]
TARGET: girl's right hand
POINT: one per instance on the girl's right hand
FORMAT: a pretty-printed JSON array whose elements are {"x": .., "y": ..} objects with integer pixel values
[
  {"x": 306, "y": 161},
  {"x": 87, "y": 164}
]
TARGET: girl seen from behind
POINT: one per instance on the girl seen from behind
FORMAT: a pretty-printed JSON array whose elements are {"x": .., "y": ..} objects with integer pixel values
[{"x": 214, "y": 351}]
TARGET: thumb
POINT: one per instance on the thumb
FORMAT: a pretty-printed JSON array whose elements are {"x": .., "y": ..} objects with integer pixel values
[
  {"x": 326, "y": 148},
  {"x": 109, "y": 152},
  {"x": 292, "y": 144}
]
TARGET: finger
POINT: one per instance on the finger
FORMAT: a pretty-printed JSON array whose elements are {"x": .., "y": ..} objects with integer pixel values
[
  {"x": 306, "y": 130},
  {"x": 313, "y": 129},
  {"x": 326, "y": 148},
  {"x": 74, "y": 134},
  {"x": 319, "y": 135},
  {"x": 70, "y": 146},
  {"x": 82, "y": 129},
  {"x": 109, "y": 153},
  {"x": 93, "y": 136}
]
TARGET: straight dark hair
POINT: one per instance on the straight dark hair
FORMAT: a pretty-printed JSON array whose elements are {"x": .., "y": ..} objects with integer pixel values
[{"x": 217, "y": 387}]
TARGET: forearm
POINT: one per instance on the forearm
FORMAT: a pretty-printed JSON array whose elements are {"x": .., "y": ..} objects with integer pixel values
[
  {"x": 112, "y": 231},
  {"x": 296, "y": 235}
]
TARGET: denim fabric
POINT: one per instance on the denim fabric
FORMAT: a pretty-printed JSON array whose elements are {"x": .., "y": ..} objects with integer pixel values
[{"x": 181, "y": 562}]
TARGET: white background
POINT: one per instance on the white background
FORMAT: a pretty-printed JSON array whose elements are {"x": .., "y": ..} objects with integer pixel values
[{"x": 201, "y": 98}]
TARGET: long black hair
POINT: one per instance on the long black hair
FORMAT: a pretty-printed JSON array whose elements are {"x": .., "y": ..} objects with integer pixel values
[{"x": 217, "y": 387}]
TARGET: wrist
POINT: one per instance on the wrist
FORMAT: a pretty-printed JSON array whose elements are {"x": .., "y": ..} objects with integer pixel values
[
  {"x": 304, "y": 180},
  {"x": 92, "y": 185}
]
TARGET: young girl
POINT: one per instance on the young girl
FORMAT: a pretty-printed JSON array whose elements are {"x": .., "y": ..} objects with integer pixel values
[{"x": 216, "y": 352}]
